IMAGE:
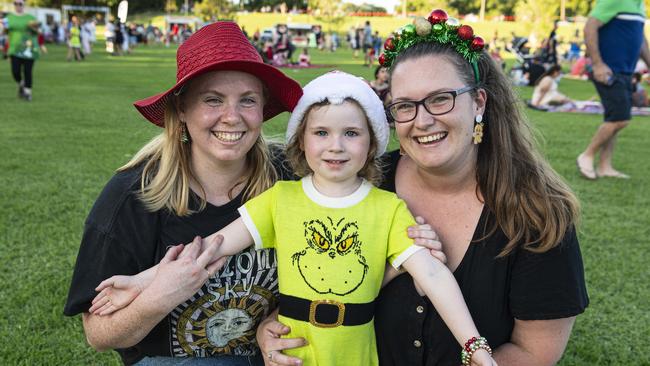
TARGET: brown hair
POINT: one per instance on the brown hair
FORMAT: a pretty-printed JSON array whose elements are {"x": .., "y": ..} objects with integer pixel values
[
  {"x": 371, "y": 170},
  {"x": 532, "y": 204}
]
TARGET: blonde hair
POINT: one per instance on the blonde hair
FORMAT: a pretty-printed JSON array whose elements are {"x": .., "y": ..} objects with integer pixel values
[
  {"x": 532, "y": 204},
  {"x": 371, "y": 170},
  {"x": 167, "y": 170}
]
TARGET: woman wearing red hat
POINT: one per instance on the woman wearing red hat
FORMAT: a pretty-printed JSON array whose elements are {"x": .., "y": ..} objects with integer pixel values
[{"x": 188, "y": 181}]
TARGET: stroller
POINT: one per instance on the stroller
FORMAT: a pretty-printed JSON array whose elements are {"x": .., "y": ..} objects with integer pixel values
[{"x": 529, "y": 67}]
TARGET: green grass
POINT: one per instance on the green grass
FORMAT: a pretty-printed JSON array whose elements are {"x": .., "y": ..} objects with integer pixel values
[{"x": 58, "y": 152}]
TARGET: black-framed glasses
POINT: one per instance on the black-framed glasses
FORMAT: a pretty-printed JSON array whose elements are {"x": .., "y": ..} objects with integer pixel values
[
  {"x": 436, "y": 104},
  {"x": 19, "y": 4}
]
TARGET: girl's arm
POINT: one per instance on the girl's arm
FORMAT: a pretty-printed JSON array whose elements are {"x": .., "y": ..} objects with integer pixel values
[
  {"x": 424, "y": 236},
  {"x": 178, "y": 277},
  {"x": 117, "y": 292},
  {"x": 235, "y": 239},
  {"x": 442, "y": 290}
]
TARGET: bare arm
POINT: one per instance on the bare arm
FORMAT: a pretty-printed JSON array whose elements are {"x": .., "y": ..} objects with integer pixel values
[
  {"x": 602, "y": 72},
  {"x": 178, "y": 277},
  {"x": 442, "y": 290},
  {"x": 535, "y": 342},
  {"x": 235, "y": 239},
  {"x": 543, "y": 87},
  {"x": 645, "y": 52}
]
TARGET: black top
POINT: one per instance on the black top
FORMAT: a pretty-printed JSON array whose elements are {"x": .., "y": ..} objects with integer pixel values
[
  {"x": 523, "y": 285},
  {"x": 122, "y": 237}
]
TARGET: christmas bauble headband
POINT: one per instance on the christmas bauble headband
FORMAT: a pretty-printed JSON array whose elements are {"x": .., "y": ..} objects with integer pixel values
[{"x": 438, "y": 28}]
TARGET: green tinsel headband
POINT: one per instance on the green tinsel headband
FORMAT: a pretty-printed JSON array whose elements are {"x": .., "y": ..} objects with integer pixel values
[{"x": 438, "y": 28}]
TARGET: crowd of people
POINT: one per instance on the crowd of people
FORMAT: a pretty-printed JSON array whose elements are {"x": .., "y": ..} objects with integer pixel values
[{"x": 324, "y": 223}]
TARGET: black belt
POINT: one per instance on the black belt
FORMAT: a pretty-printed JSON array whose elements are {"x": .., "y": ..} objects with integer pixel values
[{"x": 326, "y": 313}]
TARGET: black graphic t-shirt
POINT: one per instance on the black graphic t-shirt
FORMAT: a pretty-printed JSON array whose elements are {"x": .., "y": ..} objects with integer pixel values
[{"x": 122, "y": 237}]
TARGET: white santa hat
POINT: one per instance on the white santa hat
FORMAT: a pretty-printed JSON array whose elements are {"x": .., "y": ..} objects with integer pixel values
[{"x": 335, "y": 87}]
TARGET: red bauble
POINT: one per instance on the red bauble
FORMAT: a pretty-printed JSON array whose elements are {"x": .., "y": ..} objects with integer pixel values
[
  {"x": 438, "y": 16},
  {"x": 465, "y": 32},
  {"x": 477, "y": 44},
  {"x": 389, "y": 45},
  {"x": 382, "y": 59}
]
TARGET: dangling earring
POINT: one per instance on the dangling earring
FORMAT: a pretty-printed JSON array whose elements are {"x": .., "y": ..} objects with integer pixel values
[
  {"x": 184, "y": 137},
  {"x": 478, "y": 129},
  {"x": 401, "y": 150}
]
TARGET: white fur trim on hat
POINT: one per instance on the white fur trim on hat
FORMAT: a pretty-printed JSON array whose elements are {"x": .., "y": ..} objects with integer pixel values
[{"x": 335, "y": 86}]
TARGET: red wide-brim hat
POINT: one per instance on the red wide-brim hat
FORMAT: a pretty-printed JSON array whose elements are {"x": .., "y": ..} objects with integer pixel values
[{"x": 223, "y": 46}]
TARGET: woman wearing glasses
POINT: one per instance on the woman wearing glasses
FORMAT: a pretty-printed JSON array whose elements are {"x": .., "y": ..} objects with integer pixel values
[
  {"x": 23, "y": 47},
  {"x": 468, "y": 164}
]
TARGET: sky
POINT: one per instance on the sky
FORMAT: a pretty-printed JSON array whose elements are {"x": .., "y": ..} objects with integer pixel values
[{"x": 388, "y": 4}]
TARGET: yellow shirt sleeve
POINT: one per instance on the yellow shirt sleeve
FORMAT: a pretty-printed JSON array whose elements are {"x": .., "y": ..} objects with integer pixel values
[
  {"x": 400, "y": 246},
  {"x": 258, "y": 214}
]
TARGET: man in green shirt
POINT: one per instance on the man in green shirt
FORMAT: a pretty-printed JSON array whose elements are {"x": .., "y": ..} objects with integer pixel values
[{"x": 23, "y": 47}]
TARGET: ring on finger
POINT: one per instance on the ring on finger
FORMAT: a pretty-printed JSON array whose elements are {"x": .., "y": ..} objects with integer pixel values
[{"x": 270, "y": 355}]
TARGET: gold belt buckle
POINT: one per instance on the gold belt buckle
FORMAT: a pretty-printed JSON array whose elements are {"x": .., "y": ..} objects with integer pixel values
[{"x": 312, "y": 313}]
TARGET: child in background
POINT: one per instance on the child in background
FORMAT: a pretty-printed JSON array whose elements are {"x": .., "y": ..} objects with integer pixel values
[
  {"x": 334, "y": 231},
  {"x": 304, "y": 60},
  {"x": 639, "y": 94}
]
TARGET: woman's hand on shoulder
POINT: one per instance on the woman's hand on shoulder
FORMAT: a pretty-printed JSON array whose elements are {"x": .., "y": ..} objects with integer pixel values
[
  {"x": 424, "y": 236},
  {"x": 271, "y": 345}
]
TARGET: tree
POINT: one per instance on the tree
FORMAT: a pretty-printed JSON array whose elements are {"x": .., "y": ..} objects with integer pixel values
[
  {"x": 424, "y": 7},
  {"x": 538, "y": 15},
  {"x": 327, "y": 11},
  {"x": 211, "y": 10}
]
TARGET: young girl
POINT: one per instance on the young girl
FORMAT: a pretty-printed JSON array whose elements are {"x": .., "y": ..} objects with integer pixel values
[{"x": 333, "y": 231}]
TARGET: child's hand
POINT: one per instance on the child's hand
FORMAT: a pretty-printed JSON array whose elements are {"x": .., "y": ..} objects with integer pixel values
[
  {"x": 424, "y": 236},
  {"x": 482, "y": 358},
  {"x": 116, "y": 293}
]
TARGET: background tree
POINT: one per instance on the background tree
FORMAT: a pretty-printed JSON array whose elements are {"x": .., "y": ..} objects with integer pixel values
[
  {"x": 506, "y": 7},
  {"x": 212, "y": 10},
  {"x": 171, "y": 6},
  {"x": 538, "y": 16},
  {"x": 329, "y": 12},
  {"x": 578, "y": 8},
  {"x": 424, "y": 7}
]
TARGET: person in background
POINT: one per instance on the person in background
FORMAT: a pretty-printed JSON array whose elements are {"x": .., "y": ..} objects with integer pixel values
[
  {"x": 23, "y": 30},
  {"x": 74, "y": 40},
  {"x": 551, "y": 46},
  {"x": 366, "y": 39},
  {"x": 639, "y": 94},
  {"x": 546, "y": 92},
  {"x": 615, "y": 41},
  {"x": 304, "y": 60},
  {"x": 380, "y": 84}
]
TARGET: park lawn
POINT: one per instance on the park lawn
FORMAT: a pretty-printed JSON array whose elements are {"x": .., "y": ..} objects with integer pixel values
[{"x": 59, "y": 151}]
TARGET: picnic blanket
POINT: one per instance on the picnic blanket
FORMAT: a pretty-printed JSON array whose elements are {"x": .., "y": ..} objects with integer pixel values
[{"x": 588, "y": 107}]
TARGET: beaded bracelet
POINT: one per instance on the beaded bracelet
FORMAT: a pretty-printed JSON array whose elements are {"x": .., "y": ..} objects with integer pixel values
[{"x": 471, "y": 346}]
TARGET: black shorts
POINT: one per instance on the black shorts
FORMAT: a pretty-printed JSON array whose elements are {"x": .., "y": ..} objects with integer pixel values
[{"x": 616, "y": 98}]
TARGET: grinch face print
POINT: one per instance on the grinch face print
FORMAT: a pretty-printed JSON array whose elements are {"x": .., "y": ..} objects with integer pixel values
[{"x": 332, "y": 262}]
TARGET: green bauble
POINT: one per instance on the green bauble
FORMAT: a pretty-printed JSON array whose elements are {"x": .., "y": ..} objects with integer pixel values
[{"x": 408, "y": 30}]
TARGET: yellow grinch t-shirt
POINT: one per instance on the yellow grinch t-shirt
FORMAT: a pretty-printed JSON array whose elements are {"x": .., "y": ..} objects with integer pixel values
[{"x": 331, "y": 249}]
